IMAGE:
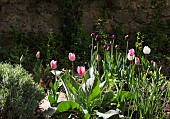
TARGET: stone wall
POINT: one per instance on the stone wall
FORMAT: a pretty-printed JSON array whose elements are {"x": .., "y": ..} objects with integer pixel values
[{"x": 33, "y": 15}]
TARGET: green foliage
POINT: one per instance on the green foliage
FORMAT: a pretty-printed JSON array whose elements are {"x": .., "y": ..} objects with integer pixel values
[
  {"x": 84, "y": 98},
  {"x": 17, "y": 43},
  {"x": 156, "y": 34},
  {"x": 19, "y": 96}
]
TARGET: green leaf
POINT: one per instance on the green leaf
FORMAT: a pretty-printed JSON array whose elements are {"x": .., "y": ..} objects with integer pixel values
[
  {"x": 108, "y": 98},
  {"x": 71, "y": 84},
  {"x": 68, "y": 105},
  {"x": 126, "y": 95},
  {"x": 51, "y": 99},
  {"x": 86, "y": 76},
  {"x": 95, "y": 92}
]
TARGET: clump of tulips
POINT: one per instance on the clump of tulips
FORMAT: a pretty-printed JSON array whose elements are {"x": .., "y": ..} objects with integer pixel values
[{"x": 121, "y": 80}]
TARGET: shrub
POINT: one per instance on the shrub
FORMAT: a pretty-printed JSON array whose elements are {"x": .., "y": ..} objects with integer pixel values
[{"x": 19, "y": 95}]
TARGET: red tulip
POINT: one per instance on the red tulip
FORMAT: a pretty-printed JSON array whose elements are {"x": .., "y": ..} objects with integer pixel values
[
  {"x": 81, "y": 70},
  {"x": 71, "y": 57},
  {"x": 53, "y": 64}
]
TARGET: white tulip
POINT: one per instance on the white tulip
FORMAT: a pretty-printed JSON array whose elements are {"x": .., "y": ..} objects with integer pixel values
[
  {"x": 130, "y": 58},
  {"x": 146, "y": 50}
]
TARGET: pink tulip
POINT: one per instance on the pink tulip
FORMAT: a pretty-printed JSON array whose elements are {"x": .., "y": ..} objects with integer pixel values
[
  {"x": 81, "y": 70},
  {"x": 137, "y": 60},
  {"x": 71, "y": 57},
  {"x": 131, "y": 52},
  {"x": 37, "y": 55},
  {"x": 53, "y": 64}
]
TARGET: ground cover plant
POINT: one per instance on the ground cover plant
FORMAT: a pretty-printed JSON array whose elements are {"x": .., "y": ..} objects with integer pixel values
[{"x": 19, "y": 96}]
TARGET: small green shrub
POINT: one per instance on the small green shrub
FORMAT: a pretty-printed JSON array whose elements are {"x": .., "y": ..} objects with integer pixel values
[{"x": 19, "y": 96}]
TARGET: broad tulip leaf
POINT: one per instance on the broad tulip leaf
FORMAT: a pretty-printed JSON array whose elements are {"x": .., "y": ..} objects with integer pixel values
[
  {"x": 103, "y": 85},
  {"x": 71, "y": 87},
  {"x": 74, "y": 83},
  {"x": 95, "y": 92},
  {"x": 126, "y": 95},
  {"x": 86, "y": 76},
  {"x": 55, "y": 72},
  {"x": 68, "y": 105},
  {"x": 51, "y": 99},
  {"x": 70, "y": 84},
  {"x": 108, "y": 98},
  {"x": 87, "y": 86}
]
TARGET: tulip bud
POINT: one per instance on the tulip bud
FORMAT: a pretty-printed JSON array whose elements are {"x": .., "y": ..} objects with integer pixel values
[
  {"x": 105, "y": 46},
  {"x": 98, "y": 38},
  {"x": 130, "y": 58},
  {"x": 71, "y": 57},
  {"x": 53, "y": 64},
  {"x": 81, "y": 70},
  {"x": 153, "y": 63},
  {"x": 117, "y": 46},
  {"x": 93, "y": 35},
  {"x": 113, "y": 37},
  {"x": 137, "y": 60},
  {"x": 108, "y": 48},
  {"x": 127, "y": 37},
  {"x": 146, "y": 50},
  {"x": 37, "y": 55}
]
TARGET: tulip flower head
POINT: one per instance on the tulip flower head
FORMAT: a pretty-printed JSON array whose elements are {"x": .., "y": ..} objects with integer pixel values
[
  {"x": 37, "y": 55},
  {"x": 112, "y": 37},
  {"x": 137, "y": 60},
  {"x": 81, "y": 70},
  {"x": 98, "y": 38},
  {"x": 130, "y": 58},
  {"x": 71, "y": 57},
  {"x": 127, "y": 37},
  {"x": 95, "y": 47},
  {"x": 146, "y": 50},
  {"x": 131, "y": 52},
  {"x": 93, "y": 35},
  {"x": 53, "y": 64}
]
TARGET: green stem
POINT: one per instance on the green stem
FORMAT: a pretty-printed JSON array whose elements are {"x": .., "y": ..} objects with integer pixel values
[
  {"x": 92, "y": 52},
  {"x": 72, "y": 69},
  {"x": 126, "y": 50}
]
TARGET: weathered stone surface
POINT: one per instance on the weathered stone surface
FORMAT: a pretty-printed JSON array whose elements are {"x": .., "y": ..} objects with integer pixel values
[{"x": 42, "y": 15}]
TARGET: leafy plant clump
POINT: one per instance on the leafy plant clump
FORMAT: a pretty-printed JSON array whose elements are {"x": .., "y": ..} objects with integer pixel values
[{"x": 19, "y": 96}]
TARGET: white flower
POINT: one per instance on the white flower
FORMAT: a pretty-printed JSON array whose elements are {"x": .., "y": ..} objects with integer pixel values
[
  {"x": 130, "y": 58},
  {"x": 146, "y": 50}
]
